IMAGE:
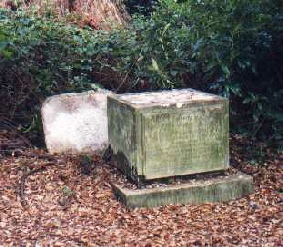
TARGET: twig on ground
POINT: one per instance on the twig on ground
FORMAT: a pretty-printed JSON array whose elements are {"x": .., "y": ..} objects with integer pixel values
[
  {"x": 25, "y": 176},
  {"x": 47, "y": 156},
  {"x": 101, "y": 180}
]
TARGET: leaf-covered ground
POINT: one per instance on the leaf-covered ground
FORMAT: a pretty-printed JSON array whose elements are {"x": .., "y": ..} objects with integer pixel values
[{"x": 48, "y": 201}]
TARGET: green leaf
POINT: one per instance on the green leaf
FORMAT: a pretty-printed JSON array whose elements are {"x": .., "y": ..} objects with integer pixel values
[
  {"x": 259, "y": 106},
  {"x": 165, "y": 29},
  {"x": 226, "y": 70},
  {"x": 154, "y": 65},
  {"x": 173, "y": 72}
]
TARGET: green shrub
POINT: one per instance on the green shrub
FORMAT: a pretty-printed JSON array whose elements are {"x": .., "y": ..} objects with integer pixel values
[
  {"x": 232, "y": 48},
  {"x": 39, "y": 57},
  {"x": 144, "y": 7}
]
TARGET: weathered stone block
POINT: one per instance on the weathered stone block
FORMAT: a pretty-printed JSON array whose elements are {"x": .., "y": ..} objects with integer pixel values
[
  {"x": 205, "y": 191},
  {"x": 75, "y": 122},
  {"x": 168, "y": 133}
]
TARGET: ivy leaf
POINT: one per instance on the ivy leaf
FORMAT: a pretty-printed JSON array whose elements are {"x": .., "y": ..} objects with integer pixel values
[{"x": 154, "y": 65}]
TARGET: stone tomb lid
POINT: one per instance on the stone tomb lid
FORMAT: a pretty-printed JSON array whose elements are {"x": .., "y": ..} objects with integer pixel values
[{"x": 165, "y": 98}]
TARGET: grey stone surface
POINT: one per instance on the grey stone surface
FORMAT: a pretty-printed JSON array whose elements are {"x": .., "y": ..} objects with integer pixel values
[
  {"x": 76, "y": 122},
  {"x": 199, "y": 192},
  {"x": 168, "y": 133}
]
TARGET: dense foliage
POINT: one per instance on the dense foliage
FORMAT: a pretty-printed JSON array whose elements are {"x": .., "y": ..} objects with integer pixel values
[
  {"x": 144, "y": 7},
  {"x": 38, "y": 58},
  {"x": 232, "y": 48},
  {"x": 235, "y": 48},
  {"x": 228, "y": 47}
]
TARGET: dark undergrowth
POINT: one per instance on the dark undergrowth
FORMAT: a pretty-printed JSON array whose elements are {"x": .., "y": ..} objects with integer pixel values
[{"x": 229, "y": 48}]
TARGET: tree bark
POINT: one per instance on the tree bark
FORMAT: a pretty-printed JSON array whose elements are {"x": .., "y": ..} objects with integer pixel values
[
  {"x": 104, "y": 13},
  {"x": 100, "y": 14}
]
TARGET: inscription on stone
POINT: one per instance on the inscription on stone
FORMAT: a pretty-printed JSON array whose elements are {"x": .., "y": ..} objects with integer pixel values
[{"x": 184, "y": 140}]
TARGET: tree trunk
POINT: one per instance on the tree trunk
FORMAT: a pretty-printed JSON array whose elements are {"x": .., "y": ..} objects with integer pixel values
[
  {"x": 103, "y": 13},
  {"x": 100, "y": 14}
]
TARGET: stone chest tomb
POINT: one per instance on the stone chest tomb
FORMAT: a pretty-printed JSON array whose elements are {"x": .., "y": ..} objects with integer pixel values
[{"x": 168, "y": 133}]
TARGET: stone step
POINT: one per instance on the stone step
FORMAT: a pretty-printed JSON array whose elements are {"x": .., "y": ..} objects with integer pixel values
[{"x": 211, "y": 190}]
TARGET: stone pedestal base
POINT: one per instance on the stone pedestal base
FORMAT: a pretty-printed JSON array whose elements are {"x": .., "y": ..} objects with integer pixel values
[{"x": 199, "y": 192}]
